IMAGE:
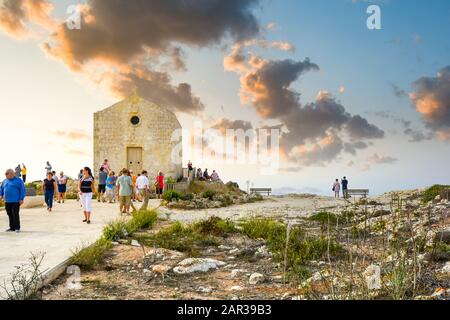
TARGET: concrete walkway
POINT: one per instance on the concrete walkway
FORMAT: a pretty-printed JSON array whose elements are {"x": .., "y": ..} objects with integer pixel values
[{"x": 56, "y": 234}]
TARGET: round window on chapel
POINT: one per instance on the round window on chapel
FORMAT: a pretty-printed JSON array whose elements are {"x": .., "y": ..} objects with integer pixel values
[{"x": 135, "y": 120}]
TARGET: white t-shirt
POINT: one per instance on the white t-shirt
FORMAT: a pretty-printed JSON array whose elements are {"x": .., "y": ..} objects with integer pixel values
[{"x": 142, "y": 182}]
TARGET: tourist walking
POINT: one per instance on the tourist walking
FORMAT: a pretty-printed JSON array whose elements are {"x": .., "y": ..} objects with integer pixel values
[
  {"x": 159, "y": 185},
  {"x": 102, "y": 177},
  {"x": 62, "y": 187},
  {"x": 48, "y": 189},
  {"x": 344, "y": 183},
  {"x": 125, "y": 185},
  {"x": 337, "y": 189},
  {"x": 190, "y": 169},
  {"x": 48, "y": 167},
  {"x": 110, "y": 186},
  {"x": 80, "y": 176},
  {"x": 55, "y": 177},
  {"x": 86, "y": 188},
  {"x": 106, "y": 166},
  {"x": 18, "y": 172},
  {"x": 24, "y": 173},
  {"x": 12, "y": 190},
  {"x": 142, "y": 185},
  {"x": 133, "y": 182}
]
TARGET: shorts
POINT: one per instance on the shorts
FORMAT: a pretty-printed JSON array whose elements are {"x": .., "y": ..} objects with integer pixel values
[
  {"x": 62, "y": 188},
  {"x": 159, "y": 190},
  {"x": 101, "y": 188},
  {"x": 142, "y": 192},
  {"x": 125, "y": 200}
]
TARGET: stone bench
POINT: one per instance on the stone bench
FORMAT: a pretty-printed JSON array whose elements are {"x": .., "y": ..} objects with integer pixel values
[
  {"x": 261, "y": 190},
  {"x": 356, "y": 192}
]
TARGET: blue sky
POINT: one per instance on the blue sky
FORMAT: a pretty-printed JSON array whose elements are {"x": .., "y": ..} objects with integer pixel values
[{"x": 41, "y": 95}]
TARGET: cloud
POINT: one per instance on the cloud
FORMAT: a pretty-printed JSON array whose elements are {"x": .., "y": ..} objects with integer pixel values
[
  {"x": 225, "y": 124},
  {"x": 317, "y": 132},
  {"x": 128, "y": 44},
  {"x": 15, "y": 15},
  {"x": 74, "y": 135},
  {"x": 417, "y": 135},
  {"x": 399, "y": 93},
  {"x": 377, "y": 159},
  {"x": 432, "y": 100}
]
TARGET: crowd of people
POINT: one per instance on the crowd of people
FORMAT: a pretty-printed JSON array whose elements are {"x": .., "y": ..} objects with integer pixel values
[
  {"x": 126, "y": 188},
  {"x": 203, "y": 175}
]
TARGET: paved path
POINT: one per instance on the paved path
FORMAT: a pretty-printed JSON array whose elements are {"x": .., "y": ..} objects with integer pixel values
[{"x": 56, "y": 234}]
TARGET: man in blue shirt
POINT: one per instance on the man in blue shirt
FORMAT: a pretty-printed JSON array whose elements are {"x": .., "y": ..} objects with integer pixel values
[
  {"x": 13, "y": 191},
  {"x": 345, "y": 187}
]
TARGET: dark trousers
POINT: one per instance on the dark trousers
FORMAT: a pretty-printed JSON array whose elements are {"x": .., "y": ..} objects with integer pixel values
[
  {"x": 49, "y": 198},
  {"x": 24, "y": 178},
  {"x": 12, "y": 209}
]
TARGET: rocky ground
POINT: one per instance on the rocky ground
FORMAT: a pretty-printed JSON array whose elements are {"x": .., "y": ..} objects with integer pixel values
[{"x": 380, "y": 248}]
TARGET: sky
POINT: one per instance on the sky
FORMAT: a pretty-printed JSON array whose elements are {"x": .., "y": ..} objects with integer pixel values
[{"x": 373, "y": 105}]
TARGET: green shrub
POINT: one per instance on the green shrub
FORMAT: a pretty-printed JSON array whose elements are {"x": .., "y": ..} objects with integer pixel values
[
  {"x": 187, "y": 197},
  {"x": 178, "y": 237},
  {"x": 171, "y": 195},
  {"x": 431, "y": 193},
  {"x": 116, "y": 230},
  {"x": 324, "y": 218},
  {"x": 91, "y": 256},
  {"x": 214, "y": 226},
  {"x": 122, "y": 229},
  {"x": 143, "y": 219},
  {"x": 170, "y": 180},
  {"x": 262, "y": 228},
  {"x": 209, "y": 194},
  {"x": 301, "y": 248},
  {"x": 379, "y": 226},
  {"x": 439, "y": 251}
]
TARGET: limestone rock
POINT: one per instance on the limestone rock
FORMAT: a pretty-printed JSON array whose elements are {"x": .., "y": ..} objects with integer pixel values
[
  {"x": 256, "y": 278},
  {"x": 235, "y": 273},
  {"x": 193, "y": 265},
  {"x": 446, "y": 268}
]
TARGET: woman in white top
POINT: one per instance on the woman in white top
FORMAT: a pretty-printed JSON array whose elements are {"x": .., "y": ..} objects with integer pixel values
[{"x": 337, "y": 189}]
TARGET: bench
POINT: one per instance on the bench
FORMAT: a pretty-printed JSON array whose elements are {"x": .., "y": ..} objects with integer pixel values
[
  {"x": 356, "y": 192},
  {"x": 261, "y": 190}
]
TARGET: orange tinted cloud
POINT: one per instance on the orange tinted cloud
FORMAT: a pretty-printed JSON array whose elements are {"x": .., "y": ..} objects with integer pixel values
[
  {"x": 15, "y": 15},
  {"x": 432, "y": 100}
]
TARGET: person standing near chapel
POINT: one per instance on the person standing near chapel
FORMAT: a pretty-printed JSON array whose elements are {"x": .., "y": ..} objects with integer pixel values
[
  {"x": 48, "y": 167},
  {"x": 102, "y": 177},
  {"x": 24, "y": 173},
  {"x": 125, "y": 185},
  {"x": 160, "y": 185},
  {"x": 143, "y": 187},
  {"x": 18, "y": 171},
  {"x": 49, "y": 187},
  {"x": 12, "y": 190},
  {"x": 62, "y": 187}
]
